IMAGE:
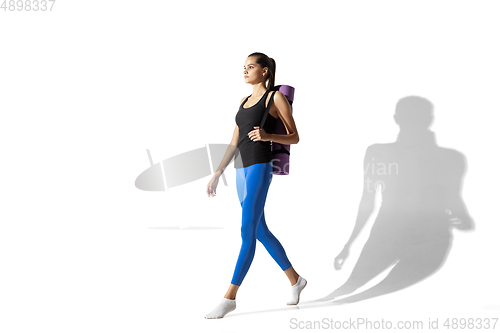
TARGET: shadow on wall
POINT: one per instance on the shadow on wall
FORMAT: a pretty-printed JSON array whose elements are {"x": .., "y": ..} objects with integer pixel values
[
  {"x": 182, "y": 169},
  {"x": 420, "y": 186}
]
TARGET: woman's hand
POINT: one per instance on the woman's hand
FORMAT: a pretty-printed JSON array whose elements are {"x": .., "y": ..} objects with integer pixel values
[
  {"x": 258, "y": 134},
  {"x": 212, "y": 184}
]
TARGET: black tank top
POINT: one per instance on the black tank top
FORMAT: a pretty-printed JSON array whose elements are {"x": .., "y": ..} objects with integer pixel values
[{"x": 253, "y": 152}]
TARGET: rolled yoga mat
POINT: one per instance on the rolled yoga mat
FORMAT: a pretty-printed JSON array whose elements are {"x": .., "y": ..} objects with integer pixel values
[{"x": 281, "y": 153}]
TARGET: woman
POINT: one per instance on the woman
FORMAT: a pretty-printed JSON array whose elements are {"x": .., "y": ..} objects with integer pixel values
[{"x": 254, "y": 174}]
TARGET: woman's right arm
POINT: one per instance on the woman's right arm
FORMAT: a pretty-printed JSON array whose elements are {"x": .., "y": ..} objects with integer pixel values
[
  {"x": 228, "y": 156},
  {"x": 230, "y": 151}
]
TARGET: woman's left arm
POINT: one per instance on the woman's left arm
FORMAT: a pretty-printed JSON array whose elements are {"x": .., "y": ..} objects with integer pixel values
[{"x": 285, "y": 114}]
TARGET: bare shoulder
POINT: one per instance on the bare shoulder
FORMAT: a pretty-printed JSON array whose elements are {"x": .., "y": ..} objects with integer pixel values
[
  {"x": 243, "y": 99},
  {"x": 280, "y": 94},
  {"x": 280, "y": 98},
  {"x": 277, "y": 97}
]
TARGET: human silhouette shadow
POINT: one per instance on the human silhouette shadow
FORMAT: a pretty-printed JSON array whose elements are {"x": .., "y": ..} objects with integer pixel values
[{"x": 420, "y": 186}]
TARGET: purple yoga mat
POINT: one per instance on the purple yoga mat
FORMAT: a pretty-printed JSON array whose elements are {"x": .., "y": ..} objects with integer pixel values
[{"x": 281, "y": 160}]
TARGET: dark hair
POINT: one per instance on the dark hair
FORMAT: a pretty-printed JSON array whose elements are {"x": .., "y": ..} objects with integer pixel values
[{"x": 264, "y": 61}]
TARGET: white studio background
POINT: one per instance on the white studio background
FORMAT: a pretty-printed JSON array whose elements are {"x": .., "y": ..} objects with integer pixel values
[{"x": 88, "y": 87}]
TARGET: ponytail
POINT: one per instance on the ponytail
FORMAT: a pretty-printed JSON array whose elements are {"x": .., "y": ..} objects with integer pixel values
[{"x": 272, "y": 74}]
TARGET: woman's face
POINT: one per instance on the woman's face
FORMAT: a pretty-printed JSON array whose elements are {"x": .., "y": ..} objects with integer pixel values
[{"x": 253, "y": 72}]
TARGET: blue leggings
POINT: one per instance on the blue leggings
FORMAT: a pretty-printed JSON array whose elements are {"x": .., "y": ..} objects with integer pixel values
[{"x": 252, "y": 184}]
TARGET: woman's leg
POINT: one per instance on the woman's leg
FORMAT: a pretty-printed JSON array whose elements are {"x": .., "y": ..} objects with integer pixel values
[
  {"x": 252, "y": 185},
  {"x": 270, "y": 242},
  {"x": 265, "y": 236},
  {"x": 274, "y": 248},
  {"x": 257, "y": 179}
]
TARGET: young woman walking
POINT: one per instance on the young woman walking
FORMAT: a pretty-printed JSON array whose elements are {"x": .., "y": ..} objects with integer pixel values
[{"x": 254, "y": 172}]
